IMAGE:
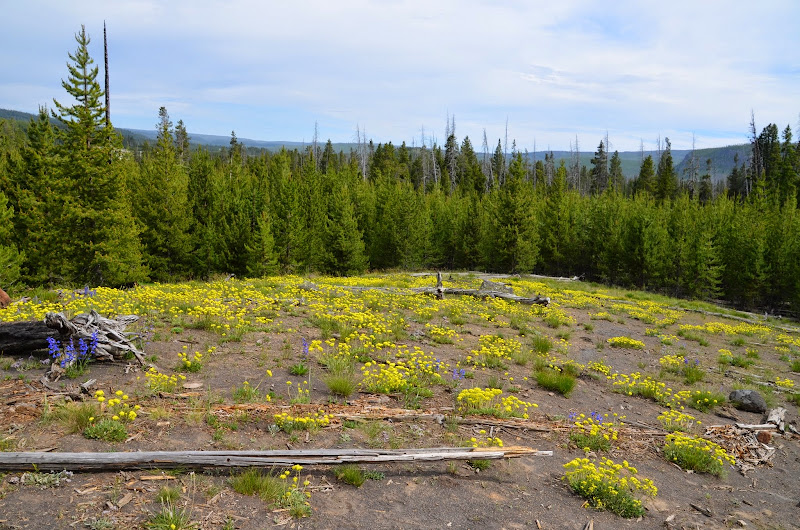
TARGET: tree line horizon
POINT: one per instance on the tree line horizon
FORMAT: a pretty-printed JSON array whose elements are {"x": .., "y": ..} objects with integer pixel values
[{"x": 78, "y": 208}]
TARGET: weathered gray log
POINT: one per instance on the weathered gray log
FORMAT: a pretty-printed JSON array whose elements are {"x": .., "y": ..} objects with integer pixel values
[
  {"x": 25, "y": 338},
  {"x": 477, "y": 293},
  {"x": 438, "y": 291},
  {"x": 201, "y": 459},
  {"x": 113, "y": 342}
]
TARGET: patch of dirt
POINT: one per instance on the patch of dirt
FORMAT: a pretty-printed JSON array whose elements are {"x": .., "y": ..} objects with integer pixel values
[{"x": 526, "y": 492}]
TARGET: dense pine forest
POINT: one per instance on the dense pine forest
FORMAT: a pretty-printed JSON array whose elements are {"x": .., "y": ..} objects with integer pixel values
[{"x": 77, "y": 207}]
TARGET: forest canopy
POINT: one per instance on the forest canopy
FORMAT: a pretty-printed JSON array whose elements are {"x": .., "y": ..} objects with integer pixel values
[{"x": 76, "y": 207}]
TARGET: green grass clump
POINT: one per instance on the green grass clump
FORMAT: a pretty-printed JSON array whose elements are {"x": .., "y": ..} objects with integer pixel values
[
  {"x": 246, "y": 393},
  {"x": 350, "y": 474},
  {"x": 76, "y": 416},
  {"x": 541, "y": 344},
  {"x": 107, "y": 430},
  {"x": 253, "y": 482},
  {"x": 696, "y": 454},
  {"x": 556, "y": 380},
  {"x": 299, "y": 369},
  {"x": 342, "y": 378},
  {"x": 168, "y": 495},
  {"x": 170, "y": 518}
]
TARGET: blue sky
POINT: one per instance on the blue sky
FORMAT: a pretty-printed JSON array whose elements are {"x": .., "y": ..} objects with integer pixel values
[{"x": 557, "y": 72}]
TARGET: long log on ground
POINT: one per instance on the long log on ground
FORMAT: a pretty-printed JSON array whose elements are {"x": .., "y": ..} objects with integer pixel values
[
  {"x": 25, "y": 338},
  {"x": 438, "y": 291},
  {"x": 477, "y": 293},
  {"x": 30, "y": 461}
]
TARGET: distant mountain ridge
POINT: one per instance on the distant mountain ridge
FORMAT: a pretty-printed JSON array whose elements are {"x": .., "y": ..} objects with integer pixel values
[{"x": 722, "y": 158}]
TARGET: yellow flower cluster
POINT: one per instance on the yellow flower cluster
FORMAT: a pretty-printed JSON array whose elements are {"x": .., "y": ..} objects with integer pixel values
[
  {"x": 626, "y": 342},
  {"x": 672, "y": 363},
  {"x": 784, "y": 383},
  {"x": 485, "y": 441},
  {"x": 595, "y": 425},
  {"x": 440, "y": 334},
  {"x": 117, "y": 407},
  {"x": 288, "y": 423},
  {"x": 788, "y": 339},
  {"x": 412, "y": 368},
  {"x": 599, "y": 366},
  {"x": 636, "y": 385},
  {"x": 595, "y": 432},
  {"x": 159, "y": 382},
  {"x": 488, "y": 401},
  {"x": 676, "y": 420},
  {"x": 728, "y": 329},
  {"x": 649, "y": 312},
  {"x": 601, "y": 315},
  {"x": 493, "y": 350},
  {"x": 609, "y": 486},
  {"x": 697, "y": 454},
  {"x": 191, "y": 365}
]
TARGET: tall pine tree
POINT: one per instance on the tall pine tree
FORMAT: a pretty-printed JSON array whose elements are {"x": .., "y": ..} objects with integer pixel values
[{"x": 99, "y": 239}]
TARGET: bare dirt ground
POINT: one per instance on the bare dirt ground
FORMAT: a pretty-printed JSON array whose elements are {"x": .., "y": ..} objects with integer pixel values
[{"x": 525, "y": 492}]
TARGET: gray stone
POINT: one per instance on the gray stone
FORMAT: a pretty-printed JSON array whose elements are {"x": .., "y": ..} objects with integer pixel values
[{"x": 748, "y": 400}]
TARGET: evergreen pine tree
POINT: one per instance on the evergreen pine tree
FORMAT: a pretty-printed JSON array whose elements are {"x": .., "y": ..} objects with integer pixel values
[
  {"x": 161, "y": 196},
  {"x": 645, "y": 182},
  {"x": 10, "y": 257},
  {"x": 98, "y": 229},
  {"x": 666, "y": 184},
  {"x": 262, "y": 259},
  {"x": 599, "y": 174},
  {"x": 344, "y": 246}
]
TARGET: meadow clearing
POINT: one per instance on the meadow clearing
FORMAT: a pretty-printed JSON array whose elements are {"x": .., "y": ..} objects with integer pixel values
[{"x": 628, "y": 390}]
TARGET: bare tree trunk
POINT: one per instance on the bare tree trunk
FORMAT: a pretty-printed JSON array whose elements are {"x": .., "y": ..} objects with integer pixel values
[{"x": 108, "y": 96}]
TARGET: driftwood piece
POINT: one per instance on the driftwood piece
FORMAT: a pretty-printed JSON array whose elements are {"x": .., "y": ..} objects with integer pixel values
[
  {"x": 113, "y": 342},
  {"x": 201, "y": 459},
  {"x": 776, "y": 416}
]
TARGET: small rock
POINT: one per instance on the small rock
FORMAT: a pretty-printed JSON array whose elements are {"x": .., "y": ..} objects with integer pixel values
[
  {"x": 4, "y": 299},
  {"x": 748, "y": 400},
  {"x": 741, "y": 523}
]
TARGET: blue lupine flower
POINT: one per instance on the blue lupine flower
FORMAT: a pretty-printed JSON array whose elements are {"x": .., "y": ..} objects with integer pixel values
[
  {"x": 305, "y": 347},
  {"x": 52, "y": 346}
]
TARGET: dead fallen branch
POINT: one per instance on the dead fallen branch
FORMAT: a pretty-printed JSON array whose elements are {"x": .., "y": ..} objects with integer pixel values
[
  {"x": 204, "y": 459},
  {"x": 113, "y": 342},
  {"x": 477, "y": 293},
  {"x": 488, "y": 289}
]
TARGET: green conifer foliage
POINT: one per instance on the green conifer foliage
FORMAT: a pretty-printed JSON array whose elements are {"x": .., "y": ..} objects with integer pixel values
[
  {"x": 344, "y": 247},
  {"x": 10, "y": 257},
  {"x": 161, "y": 195},
  {"x": 99, "y": 239},
  {"x": 666, "y": 184}
]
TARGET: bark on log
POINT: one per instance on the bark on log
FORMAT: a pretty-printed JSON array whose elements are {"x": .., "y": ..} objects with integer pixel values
[
  {"x": 113, "y": 342},
  {"x": 25, "y": 338},
  {"x": 201, "y": 459}
]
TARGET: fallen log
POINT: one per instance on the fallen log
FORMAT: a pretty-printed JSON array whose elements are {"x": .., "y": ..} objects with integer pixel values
[
  {"x": 108, "y": 337},
  {"x": 477, "y": 293},
  {"x": 27, "y": 461},
  {"x": 25, "y": 338}
]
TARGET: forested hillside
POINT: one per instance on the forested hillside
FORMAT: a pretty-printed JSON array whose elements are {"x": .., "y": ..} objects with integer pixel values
[{"x": 77, "y": 207}]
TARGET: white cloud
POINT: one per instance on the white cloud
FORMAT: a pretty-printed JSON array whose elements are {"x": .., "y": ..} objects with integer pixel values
[{"x": 555, "y": 70}]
